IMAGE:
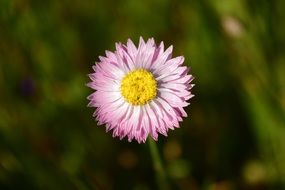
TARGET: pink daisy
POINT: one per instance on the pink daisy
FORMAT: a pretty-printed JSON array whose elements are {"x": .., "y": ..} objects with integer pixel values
[{"x": 140, "y": 91}]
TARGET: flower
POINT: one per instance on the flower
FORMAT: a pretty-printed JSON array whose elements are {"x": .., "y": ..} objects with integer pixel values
[{"x": 140, "y": 91}]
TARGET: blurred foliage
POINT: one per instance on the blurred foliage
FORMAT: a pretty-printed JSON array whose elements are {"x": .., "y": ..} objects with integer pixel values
[{"x": 232, "y": 139}]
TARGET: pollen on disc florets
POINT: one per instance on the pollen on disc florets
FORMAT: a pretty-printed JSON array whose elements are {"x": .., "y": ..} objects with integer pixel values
[{"x": 138, "y": 87}]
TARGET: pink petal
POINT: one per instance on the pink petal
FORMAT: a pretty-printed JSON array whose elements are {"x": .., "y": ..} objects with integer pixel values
[{"x": 162, "y": 58}]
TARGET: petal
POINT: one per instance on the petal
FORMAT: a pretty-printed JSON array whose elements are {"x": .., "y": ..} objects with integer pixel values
[
  {"x": 120, "y": 62},
  {"x": 107, "y": 87},
  {"x": 173, "y": 99},
  {"x": 154, "y": 121},
  {"x": 170, "y": 118},
  {"x": 146, "y": 58},
  {"x": 170, "y": 66},
  {"x": 125, "y": 57},
  {"x": 132, "y": 50},
  {"x": 109, "y": 70},
  {"x": 158, "y": 51},
  {"x": 160, "y": 61},
  {"x": 102, "y": 97}
]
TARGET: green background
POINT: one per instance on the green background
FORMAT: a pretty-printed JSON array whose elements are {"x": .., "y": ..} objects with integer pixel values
[{"x": 232, "y": 139}]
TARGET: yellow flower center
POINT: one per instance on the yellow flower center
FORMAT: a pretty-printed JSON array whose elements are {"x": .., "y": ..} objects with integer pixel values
[{"x": 138, "y": 87}]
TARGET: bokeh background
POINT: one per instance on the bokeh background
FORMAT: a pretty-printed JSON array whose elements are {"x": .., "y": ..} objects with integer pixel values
[{"x": 234, "y": 137}]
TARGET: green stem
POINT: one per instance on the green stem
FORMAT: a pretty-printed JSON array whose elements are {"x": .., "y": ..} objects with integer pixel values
[{"x": 157, "y": 166}]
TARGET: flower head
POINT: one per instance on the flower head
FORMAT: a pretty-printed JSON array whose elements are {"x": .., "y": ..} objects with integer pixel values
[{"x": 140, "y": 91}]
